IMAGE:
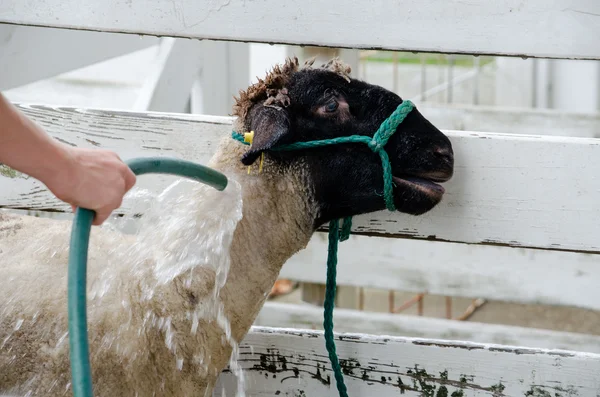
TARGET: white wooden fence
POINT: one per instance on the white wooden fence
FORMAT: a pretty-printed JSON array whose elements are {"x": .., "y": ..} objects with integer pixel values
[{"x": 520, "y": 221}]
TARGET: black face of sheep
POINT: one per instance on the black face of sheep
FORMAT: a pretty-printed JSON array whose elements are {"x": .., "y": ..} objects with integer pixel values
[{"x": 303, "y": 104}]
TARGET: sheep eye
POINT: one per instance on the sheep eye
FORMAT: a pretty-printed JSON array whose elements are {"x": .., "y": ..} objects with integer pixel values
[{"x": 331, "y": 106}]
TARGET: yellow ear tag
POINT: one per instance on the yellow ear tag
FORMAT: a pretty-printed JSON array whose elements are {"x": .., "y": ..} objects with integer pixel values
[{"x": 249, "y": 137}]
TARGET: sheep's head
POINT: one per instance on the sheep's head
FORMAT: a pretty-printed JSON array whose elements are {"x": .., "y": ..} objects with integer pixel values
[{"x": 294, "y": 104}]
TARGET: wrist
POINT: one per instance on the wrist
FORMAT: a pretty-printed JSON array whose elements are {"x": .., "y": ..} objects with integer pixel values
[
  {"x": 57, "y": 169},
  {"x": 26, "y": 147}
]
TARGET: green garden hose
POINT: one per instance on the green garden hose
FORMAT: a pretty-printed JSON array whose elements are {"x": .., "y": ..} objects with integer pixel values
[{"x": 80, "y": 235}]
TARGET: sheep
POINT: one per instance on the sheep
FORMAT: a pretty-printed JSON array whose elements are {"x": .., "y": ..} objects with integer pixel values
[{"x": 294, "y": 194}]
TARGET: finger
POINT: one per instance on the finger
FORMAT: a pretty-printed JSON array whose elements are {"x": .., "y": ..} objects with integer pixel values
[
  {"x": 105, "y": 212},
  {"x": 100, "y": 217},
  {"x": 117, "y": 203},
  {"x": 113, "y": 154},
  {"x": 130, "y": 179}
]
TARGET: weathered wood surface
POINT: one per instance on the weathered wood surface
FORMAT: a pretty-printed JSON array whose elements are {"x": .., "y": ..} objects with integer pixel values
[
  {"x": 541, "y": 28},
  {"x": 130, "y": 134},
  {"x": 280, "y": 362},
  {"x": 513, "y": 121},
  {"x": 451, "y": 269},
  {"x": 287, "y": 315},
  {"x": 515, "y": 190}
]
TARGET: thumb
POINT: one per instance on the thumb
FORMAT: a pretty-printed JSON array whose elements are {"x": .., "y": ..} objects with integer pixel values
[{"x": 101, "y": 215}]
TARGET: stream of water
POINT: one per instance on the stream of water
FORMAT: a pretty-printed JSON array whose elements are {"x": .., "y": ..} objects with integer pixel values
[
  {"x": 135, "y": 281},
  {"x": 186, "y": 227}
]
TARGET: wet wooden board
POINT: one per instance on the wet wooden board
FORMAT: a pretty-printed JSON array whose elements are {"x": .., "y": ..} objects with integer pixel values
[
  {"x": 302, "y": 316},
  {"x": 540, "y": 28},
  {"x": 510, "y": 190},
  {"x": 282, "y": 362}
]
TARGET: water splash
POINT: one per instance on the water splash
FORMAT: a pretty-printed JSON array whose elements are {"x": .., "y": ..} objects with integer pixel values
[
  {"x": 185, "y": 232},
  {"x": 184, "y": 236}
]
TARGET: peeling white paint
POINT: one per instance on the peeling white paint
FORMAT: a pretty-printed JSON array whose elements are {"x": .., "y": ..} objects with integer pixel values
[{"x": 288, "y": 362}]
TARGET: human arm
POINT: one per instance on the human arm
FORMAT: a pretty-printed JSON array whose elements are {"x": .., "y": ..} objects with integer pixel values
[{"x": 89, "y": 178}]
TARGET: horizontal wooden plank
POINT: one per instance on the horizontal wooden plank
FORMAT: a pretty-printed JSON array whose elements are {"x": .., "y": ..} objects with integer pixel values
[
  {"x": 512, "y": 121},
  {"x": 288, "y": 315},
  {"x": 287, "y": 362},
  {"x": 513, "y": 190},
  {"x": 536, "y": 28},
  {"x": 496, "y": 273},
  {"x": 130, "y": 134}
]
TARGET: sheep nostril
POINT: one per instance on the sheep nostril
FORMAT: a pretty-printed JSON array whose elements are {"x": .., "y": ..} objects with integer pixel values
[{"x": 445, "y": 154}]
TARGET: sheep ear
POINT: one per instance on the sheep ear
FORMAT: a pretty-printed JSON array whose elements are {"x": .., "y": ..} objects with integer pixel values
[{"x": 271, "y": 126}]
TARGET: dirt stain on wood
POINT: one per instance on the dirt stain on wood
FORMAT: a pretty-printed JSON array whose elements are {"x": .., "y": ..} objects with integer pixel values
[{"x": 8, "y": 172}]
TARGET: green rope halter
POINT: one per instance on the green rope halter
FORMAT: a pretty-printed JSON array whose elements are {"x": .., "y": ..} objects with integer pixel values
[{"x": 377, "y": 144}]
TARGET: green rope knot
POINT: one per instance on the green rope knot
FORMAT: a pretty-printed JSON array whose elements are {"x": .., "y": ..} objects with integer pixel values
[{"x": 377, "y": 144}]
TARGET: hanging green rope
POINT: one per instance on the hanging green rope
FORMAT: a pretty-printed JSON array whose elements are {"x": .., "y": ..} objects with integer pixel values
[
  {"x": 377, "y": 144},
  {"x": 329, "y": 304}
]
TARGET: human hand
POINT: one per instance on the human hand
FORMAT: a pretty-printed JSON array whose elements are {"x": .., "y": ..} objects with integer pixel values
[
  {"x": 89, "y": 178},
  {"x": 95, "y": 179}
]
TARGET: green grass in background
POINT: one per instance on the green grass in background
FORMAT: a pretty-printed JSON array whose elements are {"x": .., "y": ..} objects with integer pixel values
[{"x": 428, "y": 59}]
